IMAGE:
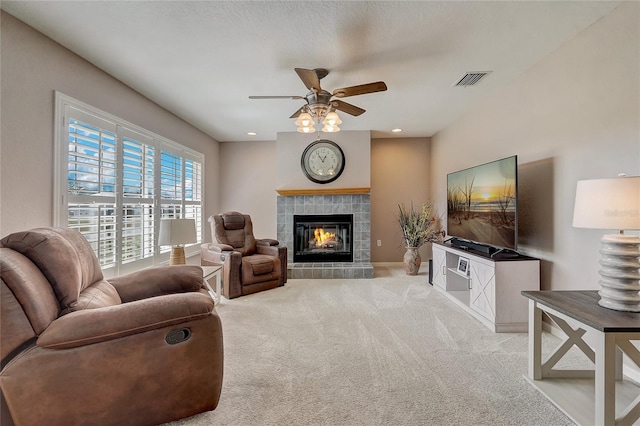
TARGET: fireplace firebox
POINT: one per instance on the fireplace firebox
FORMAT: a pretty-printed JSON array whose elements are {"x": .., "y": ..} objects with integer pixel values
[{"x": 323, "y": 238}]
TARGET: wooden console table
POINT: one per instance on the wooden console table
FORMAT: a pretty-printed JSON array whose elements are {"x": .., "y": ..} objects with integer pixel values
[{"x": 589, "y": 397}]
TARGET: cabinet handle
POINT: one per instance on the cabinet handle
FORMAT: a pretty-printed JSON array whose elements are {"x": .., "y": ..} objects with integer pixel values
[
  {"x": 470, "y": 283},
  {"x": 444, "y": 270}
]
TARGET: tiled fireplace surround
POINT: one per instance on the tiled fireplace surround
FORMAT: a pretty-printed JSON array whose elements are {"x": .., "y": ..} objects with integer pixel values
[{"x": 357, "y": 204}]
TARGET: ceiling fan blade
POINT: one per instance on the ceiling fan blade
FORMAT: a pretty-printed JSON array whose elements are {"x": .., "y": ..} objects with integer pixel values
[
  {"x": 309, "y": 78},
  {"x": 276, "y": 97},
  {"x": 298, "y": 112},
  {"x": 348, "y": 108},
  {"x": 361, "y": 89}
]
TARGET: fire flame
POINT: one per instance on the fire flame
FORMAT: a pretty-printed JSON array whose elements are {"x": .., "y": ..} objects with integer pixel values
[{"x": 322, "y": 237}]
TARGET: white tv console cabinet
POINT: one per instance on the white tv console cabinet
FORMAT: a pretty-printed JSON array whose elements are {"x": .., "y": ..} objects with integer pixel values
[{"x": 491, "y": 290}]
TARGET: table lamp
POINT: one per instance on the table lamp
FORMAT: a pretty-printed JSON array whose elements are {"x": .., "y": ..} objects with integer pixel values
[
  {"x": 614, "y": 204},
  {"x": 176, "y": 233}
]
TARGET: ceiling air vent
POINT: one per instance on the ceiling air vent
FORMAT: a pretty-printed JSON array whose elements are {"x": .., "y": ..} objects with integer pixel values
[{"x": 471, "y": 78}]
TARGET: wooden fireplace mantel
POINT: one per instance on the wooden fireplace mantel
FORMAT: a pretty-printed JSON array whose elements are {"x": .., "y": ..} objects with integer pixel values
[{"x": 323, "y": 191}]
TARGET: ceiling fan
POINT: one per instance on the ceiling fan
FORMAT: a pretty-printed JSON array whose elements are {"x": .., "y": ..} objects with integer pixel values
[{"x": 321, "y": 102}]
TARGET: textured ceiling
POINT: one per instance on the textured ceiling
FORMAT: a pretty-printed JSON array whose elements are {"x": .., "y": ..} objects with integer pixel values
[{"x": 201, "y": 60}]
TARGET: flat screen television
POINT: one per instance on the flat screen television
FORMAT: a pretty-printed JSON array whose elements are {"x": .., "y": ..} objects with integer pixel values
[{"x": 482, "y": 204}]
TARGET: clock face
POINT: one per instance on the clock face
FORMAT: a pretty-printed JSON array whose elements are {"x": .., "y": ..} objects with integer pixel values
[{"x": 322, "y": 161}]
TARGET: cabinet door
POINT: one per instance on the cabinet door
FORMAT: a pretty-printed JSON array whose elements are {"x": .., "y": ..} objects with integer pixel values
[
  {"x": 482, "y": 292},
  {"x": 439, "y": 266}
]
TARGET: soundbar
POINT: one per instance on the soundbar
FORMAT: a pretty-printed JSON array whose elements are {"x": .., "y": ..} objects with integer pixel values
[{"x": 470, "y": 245}]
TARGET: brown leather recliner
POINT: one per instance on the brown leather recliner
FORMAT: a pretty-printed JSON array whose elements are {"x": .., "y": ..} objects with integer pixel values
[
  {"x": 139, "y": 349},
  {"x": 249, "y": 265}
]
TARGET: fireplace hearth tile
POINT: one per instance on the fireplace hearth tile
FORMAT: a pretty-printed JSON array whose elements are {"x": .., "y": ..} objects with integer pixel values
[
  {"x": 330, "y": 271},
  {"x": 358, "y": 204}
]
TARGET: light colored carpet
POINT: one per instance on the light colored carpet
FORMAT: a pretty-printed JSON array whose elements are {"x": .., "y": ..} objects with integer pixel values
[{"x": 384, "y": 351}]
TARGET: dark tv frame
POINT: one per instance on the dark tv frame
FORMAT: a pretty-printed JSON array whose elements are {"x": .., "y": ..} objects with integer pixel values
[{"x": 495, "y": 215}]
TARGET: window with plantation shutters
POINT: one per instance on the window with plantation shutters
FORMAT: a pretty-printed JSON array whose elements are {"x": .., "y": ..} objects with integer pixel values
[
  {"x": 115, "y": 181},
  {"x": 91, "y": 180},
  {"x": 138, "y": 214},
  {"x": 193, "y": 173},
  {"x": 181, "y": 180}
]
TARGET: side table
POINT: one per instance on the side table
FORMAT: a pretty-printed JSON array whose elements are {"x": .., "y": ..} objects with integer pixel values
[
  {"x": 589, "y": 397},
  {"x": 213, "y": 272}
]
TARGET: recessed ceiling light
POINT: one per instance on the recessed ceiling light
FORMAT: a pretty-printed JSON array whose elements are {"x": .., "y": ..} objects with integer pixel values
[
  {"x": 251, "y": 133},
  {"x": 396, "y": 130}
]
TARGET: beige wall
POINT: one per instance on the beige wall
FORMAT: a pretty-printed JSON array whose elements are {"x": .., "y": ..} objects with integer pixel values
[
  {"x": 573, "y": 116},
  {"x": 248, "y": 170},
  {"x": 356, "y": 146},
  {"x": 400, "y": 174},
  {"x": 252, "y": 171},
  {"x": 32, "y": 67}
]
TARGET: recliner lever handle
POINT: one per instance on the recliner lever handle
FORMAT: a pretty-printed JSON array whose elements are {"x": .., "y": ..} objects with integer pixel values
[{"x": 177, "y": 336}]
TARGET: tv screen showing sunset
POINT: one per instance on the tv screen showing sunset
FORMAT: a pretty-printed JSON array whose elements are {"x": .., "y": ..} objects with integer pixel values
[{"x": 482, "y": 203}]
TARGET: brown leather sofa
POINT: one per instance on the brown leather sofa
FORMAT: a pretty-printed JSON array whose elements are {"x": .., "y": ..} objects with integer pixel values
[
  {"x": 249, "y": 264},
  {"x": 140, "y": 349}
]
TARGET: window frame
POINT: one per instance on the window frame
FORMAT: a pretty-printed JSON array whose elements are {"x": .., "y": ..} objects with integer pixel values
[{"x": 67, "y": 107}]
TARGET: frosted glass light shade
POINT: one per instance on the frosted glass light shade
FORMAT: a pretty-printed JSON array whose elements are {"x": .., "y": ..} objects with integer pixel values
[
  {"x": 174, "y": 232},
  {"x": 608, "y": 203},
  {"x": 332, "y": 119},
  {"x": 330, "y": 129},
  {"x": 308, "y": 129},
  {"x": 304, "y": 120}
]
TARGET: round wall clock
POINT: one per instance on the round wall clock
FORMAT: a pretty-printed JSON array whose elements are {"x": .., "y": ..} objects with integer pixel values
[{"x": 322, "y": 161}]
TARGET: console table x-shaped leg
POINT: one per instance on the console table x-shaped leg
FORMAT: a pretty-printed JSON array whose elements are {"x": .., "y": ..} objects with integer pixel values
[{"x": 589, "y": 397}]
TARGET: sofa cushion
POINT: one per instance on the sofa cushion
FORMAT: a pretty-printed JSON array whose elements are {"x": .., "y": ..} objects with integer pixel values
[
  {"x": 233, "y": 220},
  {"x": 63, "y": 255},
  {"x": 30, "y": 288},
  {"x": 259, "y": 268},
  {"x": 17, "y": 332},
  {"x": 158, "y": 281},
  {"x": 241, "y": 239},
  {"x": 97, "y": 295},
  {"x": 261, "y": 265},
  {"x": 236, "y": 239}
]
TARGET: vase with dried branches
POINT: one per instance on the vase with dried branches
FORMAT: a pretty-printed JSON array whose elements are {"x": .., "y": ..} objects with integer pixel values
[{"x": 419, "y": 226}]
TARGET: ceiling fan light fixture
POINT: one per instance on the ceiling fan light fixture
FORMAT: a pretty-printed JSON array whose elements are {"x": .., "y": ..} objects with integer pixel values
[
  {"x": 306, "y": 129},
  {"x": 332, "y": 119},
  {"x": 320, "y": 106},
  {"x": 328, "y": 128},
  {"x": 304, "y": 120}
]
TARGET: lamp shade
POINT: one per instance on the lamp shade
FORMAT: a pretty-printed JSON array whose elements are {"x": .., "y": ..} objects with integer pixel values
[
  {"x": 332, "y": 119},
  {"x": 608, "y": 203},
  {"x": 330, "y": 129},
  {"x": 304, "y": 120},
  {"x": 175, "y": 232},
  {"x": 307, "y": 129}
]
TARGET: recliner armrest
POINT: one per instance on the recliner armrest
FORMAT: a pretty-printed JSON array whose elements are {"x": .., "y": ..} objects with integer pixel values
[
  {"x": 267, "y": 242},
  {"x": 269, "y": 250},
  {"x": 277, "y": 251},
  {"x": 217, "y": 247},
  {"x": 91, "y": 326},
  {"x": 215, "y": 254},
  {"x": 158, "y": 281}
]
